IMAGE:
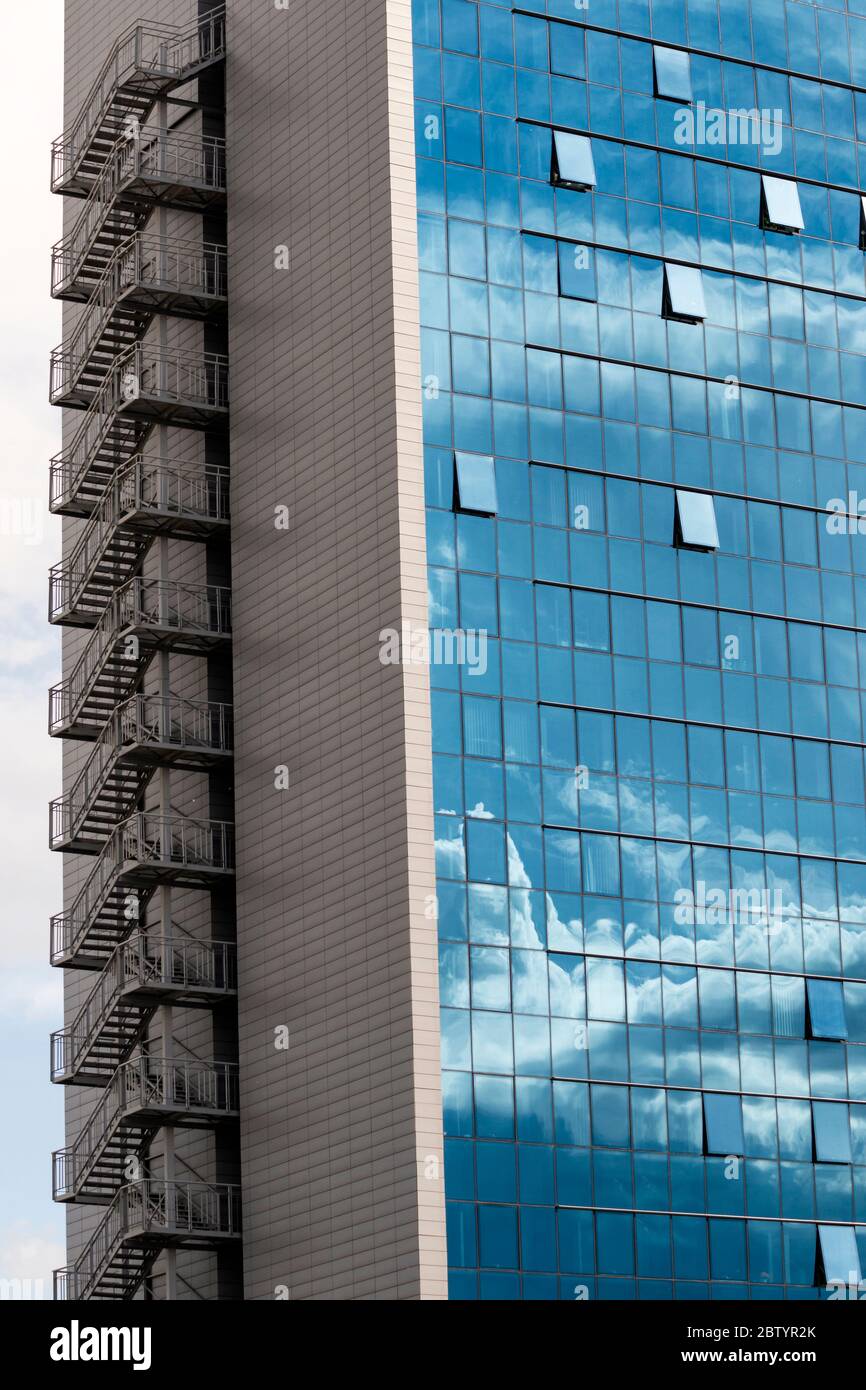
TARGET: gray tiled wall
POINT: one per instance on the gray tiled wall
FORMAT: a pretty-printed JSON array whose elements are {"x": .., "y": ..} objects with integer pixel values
[{"x": 341, "y": 1133}]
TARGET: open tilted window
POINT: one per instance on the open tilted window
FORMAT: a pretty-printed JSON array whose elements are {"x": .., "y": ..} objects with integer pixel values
[
  {"x": 572, "y": 163},
  {"x": 476, "y": 483},
  {"x": 695, "y": 521},
  {"x": 683, "y": 293},
  {"x": 839, "y": 1256},
  {"x": 673, "y": 73},
  {"x": 826, "y": 1009},
  {"x": 780, "y": 205}
]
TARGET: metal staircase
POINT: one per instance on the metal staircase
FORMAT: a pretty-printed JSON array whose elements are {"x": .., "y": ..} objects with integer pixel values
[
  {"x": 146, "y": 275},
  {"x": 142, "y": 734},
  {"x": 142, "y": 972},
  {"x": 130, "y": 164},
  {"x": 146, "y": 386},
  {"x": 143, "y": 1219},
  {"x": 147, "y": 849},
  {"x": 145, "y": 169},
  {"x": 145, "y": 63},
  {"x": 141, "y": 618},
  {"x": 141, "y": 1095},
  {"x": 146, "y": 498}
]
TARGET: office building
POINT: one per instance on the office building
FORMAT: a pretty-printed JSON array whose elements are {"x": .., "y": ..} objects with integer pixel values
[{"x": 463, "y": 442}]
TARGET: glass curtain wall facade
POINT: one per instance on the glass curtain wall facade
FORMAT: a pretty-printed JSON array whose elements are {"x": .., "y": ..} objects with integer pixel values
[{"x": 644, "y": 338}]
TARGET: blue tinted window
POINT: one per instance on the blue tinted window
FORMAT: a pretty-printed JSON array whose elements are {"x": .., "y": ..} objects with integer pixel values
[
  {"x": 672, "y": 73},
  {"x": 572, "y": 160},
  {"x": 781, "y": 204},
  {"x": 832, "y": 1135},
  {"x": 839, "y": 1254},
  {"x": 566, "y": 50},
  {"x": 460, "y": 26},
  {"x": 650, "y": 806},
  {"x": 826, "y": 1009},
  {"x": 723, "y": 1122},
  {"x": 577, "y": 277},
  {"x": 476, "y": 483}
]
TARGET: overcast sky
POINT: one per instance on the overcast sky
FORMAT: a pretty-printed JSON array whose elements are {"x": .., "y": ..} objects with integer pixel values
[{"x": 31, "y": 1226}]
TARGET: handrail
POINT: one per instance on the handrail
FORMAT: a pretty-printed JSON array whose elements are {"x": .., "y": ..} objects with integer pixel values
[
  {"x": 146, "y": 959},
  {"x": 186, "y": 1086},
  {"x": 177, "y": 55},
  {"x": 146, "y": 1209},
  {"x": 194, "y": 160},
  {"x": 67, "y": 812},
  {"x": 142, "y": 719},
  {"x": 144, "y": 838},
  {"x": 142, "y": 260},
  {"x": 141, "y": 603},
  {"x": 144, "y": 485},
  {"x": 173, "y": 155},
  {"x": 198, "y": 379},
  {"x": 70, "y": 467},
  {"x": 155, "y": 837},
  {"x": 69, "y": 253}
]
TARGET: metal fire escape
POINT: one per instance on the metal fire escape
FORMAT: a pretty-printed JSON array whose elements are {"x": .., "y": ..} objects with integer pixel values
[{"x": 127, "y": 165}]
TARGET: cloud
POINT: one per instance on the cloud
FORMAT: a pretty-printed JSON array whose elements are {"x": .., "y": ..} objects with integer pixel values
[
  {"x": 28, "y": 1257},
  {"x": 29, "y": 649},
  {"x": 30, "y": 873},
  {"x": 29, "y": 535},
  {"x": 28, "y": 994}
]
